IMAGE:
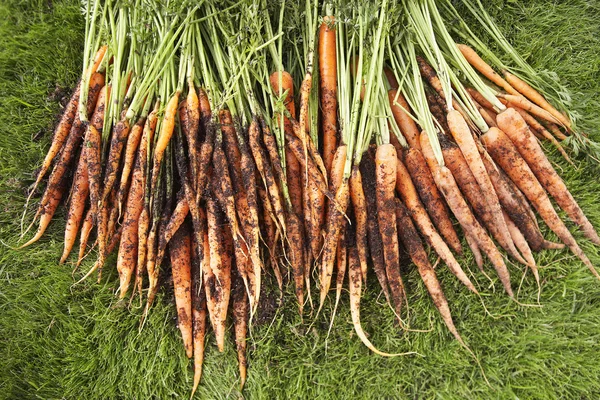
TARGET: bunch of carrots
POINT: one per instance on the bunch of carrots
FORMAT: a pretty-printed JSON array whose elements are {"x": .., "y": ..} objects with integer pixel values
[{"x": 226, "y": 142}]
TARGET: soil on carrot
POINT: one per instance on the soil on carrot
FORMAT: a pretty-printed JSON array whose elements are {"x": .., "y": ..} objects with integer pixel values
[{"x": 63, "y": 341}]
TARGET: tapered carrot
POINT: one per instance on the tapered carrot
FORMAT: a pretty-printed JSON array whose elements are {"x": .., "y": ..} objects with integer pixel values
[
  {"x": 164, "y": 137},
  {"x": 286, "y": 90},
  {"x": 479, "y": 98},
  {"x": 522, "y": 102},
  {"x": 92, "y": 149},
  {"x": 335, "y": 217},
  {"x": 516, "y": 129},
  {"x": 328, "y": 88},
  {"x": 79, "y": 194},
  {"x": 192, "y": 111},
  {"x": 473, "y": 194},
  {"x": 408, "y": 193},
  {"x": 385, "y": 177},
  {"x": 445, "y": 181},
  {"x": 118, "y": 139},
  {"x": 431, "y": 197},
  {"x": 199, "y": 310},
  {"x": 522, "y": 245},
  {"x": 476, "y": 251},
  {"x": 240, "y": 323},
  {"x": 86, "y": 229},
  {"x": 133, "y": 141},
  {"x": 295, "y": 240},
  {"x": 367, "y": 168},
  {"x": 462, "y": 134},
  {"x": 407, "y": 125},
  {"x": 508, "y": 158},
  {"x": 359, "y": 205},
  {"x": 533, "y": 95},
  {"x": 484, "y": 68},
  {"x": 412, "y": 242},
  {"x": 181, "y": 259}
]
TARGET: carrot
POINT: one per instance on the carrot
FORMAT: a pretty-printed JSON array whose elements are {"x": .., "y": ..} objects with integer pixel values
[
  {"x": 86, "y": 229},
  {"x": 164, "y": 137},
  {"x": 533, "y": 95},
  {"x": 478, "y": 97},
  {"x": 516, "y": 129},
  {"x": 487, "y": 117},
  {"x": 508, "y": 158},
  {"x": 181, "y": 253},
  {"x": 118, "y": 139},
  {"x": 177, "y": 217},
  {"x": 328, "y": 88},
  {"x": 79, "y": 193},
  {"x": 477, "y": 62},
  {"x": 240, "y": 323},
  {"x": 522, "y": 102},
  {"x": 522, "y": 245},
  {"x": 445, "y": 181},
  {"x": 467, "y": 183},
  {"x": 341, "y": 266},
  {"x": 355, "y": 286},
  {"x": 512, "y": 205},
  {"x": 437, "y": 105},
  {"x": 335, "y": 219},
  {"x": 192, "y": 113},
  {"x": 476, "y": 251},
  {"x": 385, "y": 178},
  {"x": 431, "y": 197},
  {"x": 286, "y": 89},
  {"x": 367, "y": 168},
  {"x": 92, "y": 149},
  {"x": 391, "y": 77},
  {"x": 133, "y": 141},
  {"x": 412, "y": 242},
  {"x": 56, "y": 183},
  {"x": 128, "y": 249},
  {"x": 359, "y": 204},
  {"x": 408, "y": 193},
  {"x": 407, "y": 125},
  {"x": 462, "y": 134},
  {"x": 199, "y": 309},
  {"x": 556, "y": 131},
  {"x": 218, "y": 282}
]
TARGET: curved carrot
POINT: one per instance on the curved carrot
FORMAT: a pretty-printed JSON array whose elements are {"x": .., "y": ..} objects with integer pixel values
[
  {"x": 181, "y": 259},
  {"x": 133, "y": 141},
  {"x": 79, "y": 194},
  {"x": 477, "y": 62}
]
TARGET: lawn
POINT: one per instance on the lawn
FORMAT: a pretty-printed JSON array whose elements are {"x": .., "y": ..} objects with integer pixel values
[{"x": 60, "y": 341}]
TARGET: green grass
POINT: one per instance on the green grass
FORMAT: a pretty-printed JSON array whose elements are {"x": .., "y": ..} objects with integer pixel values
[{"x": 62, "y": 342}]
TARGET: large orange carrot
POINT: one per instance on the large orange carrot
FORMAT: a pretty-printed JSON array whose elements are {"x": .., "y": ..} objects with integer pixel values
[
  {"x": 445, "y": 181},
  {"x": 133, "y": 141},
  {"x": 385, "y": 178},
  {"x": 367, "y": 168},
  {"x": 164, "y": 137},
  {"x": 412, "y": 242},
  {"x": 181, "y": 259},
  {"x": 477, "y": 62},
  {"x": 79, "y": 194},
  {"x": 508, "y": 158},
  {"x": 407, "y": 125},
  {"x": 408, "y": 193},
  {"x": 516, "y": 129},
  {"x": 462, "y": 134},
  {"x": 533, "y": 95},
  {"x": 328, "y": 88},
  {"x": 431, "y": 197}
]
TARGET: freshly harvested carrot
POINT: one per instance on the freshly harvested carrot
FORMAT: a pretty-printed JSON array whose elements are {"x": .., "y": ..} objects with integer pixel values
[
  {"x": 240, "y": 323},
  {"x": 445, "y": 181},
  {"x": 335, "y": 218},
  {"x": 539, "y": 130},
  {"x": 472, "y": 192},
  {"x": 476, "y": 251},
  {"x": 522, "y": 245},
  {"x": 177, "y": 217},
  {"x": 367, "y": 168},
  {"x": 484, "y": 68},
  {"x": 407, "y": 125},
  {"x": 431, "y": 197},
  {"x": 385, "y": 178},
  {"x": 328, "y": 88},
  {"x": 181, "y": 260},
  {"x": 462, "y": 134},
  {"x": 412, "y": 242},
  {"x": 556, "y": 131},
  {"x": 437, "y": 105},
  {"x": 79, "y": 194},
  {"x": 261, "y": 161},
  {"x": 408, "y": 193},
  {"x": 192, "y": 113},
  {"x": 533, "y": 95},
  {"x": 133, "y": 141},
  {"x": 478, "y": 97},
  {"x": 164, "y": 137},
  {"x": 355, "y": 286},
  {"x": 508, "y": 158},
  {"x": 359, "y": 205},
  {"x": 218, "y": 282},
  {"x": 199, "y": 310},
  {"x": 118, "y": 139},
  {"x": 516, "y": 129},
  {"x": 295, "y": 241},
  {"x": 128, "y": 249},
  {"x": 512, "y": 205},
  {"x": 86, "y": 229},
  {"x": 522, "y": 102}
]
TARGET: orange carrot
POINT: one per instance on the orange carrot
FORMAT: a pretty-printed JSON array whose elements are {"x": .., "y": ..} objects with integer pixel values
[
  {"x": 181, "y": 253},
  {"x": 240, "y": 323},
  {"x": 164, "y": 137},
  {"x": 359, "y": 204},
  {"x": 133, "y": 141},
  {"x": 508, "y": 158},
  {"x": 477, "y": 62},
  {"x": 199, "y": 309},
  {"x": 328, "y": 88},
  {"x": 79, "y": 194},
  {"x": 522, "y": 102},
  {"x": 516, "y": 129},
  {"x": 407, "y": 125},
  {"x": 86, "y": 229}
]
